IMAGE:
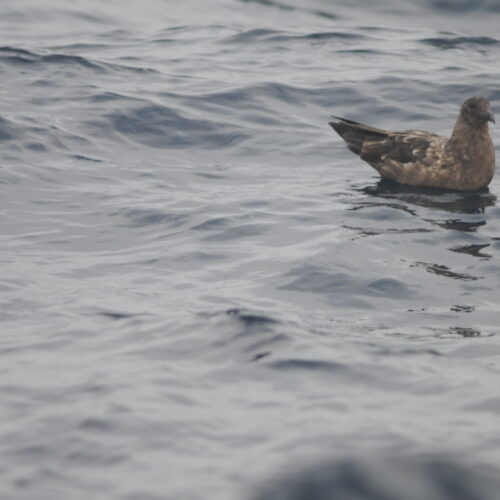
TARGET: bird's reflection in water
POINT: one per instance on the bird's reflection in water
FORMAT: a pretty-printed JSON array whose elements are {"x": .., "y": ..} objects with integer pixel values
[
  {"x": 466, "y": 202},
  {"x": 468, "y": 207},
  {"x": 465, "y": 332}
]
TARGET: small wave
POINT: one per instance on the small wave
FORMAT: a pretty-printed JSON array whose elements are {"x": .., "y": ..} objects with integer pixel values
[
  {"x": 6, "y": 130},
  {"x": 114, "y": 315},
  {"x": 24, "y": 57},
  {"x": 286, "y": 7},
  {"x": 269, "y": 35},
  {"x": 345, "y": 288},
  {"x": 328, "y": 35},
  {"x": 163, "y": 127},
  {"x": 252, "y": 35},
  {"x": 309, "y": 365},
  {"x": 251, "y": 319},
  {"x": 246, "y": 334},
  {"x": 215, "y": 223},
  {"x": 321, "y": 96},
  {"x": 464, "y": 6},
  {"x": 454, "y": 42},
  {"x": 238, "y": 232},
  {"x": 271, "y": 3},
  {"x": 140, "y": 217}
]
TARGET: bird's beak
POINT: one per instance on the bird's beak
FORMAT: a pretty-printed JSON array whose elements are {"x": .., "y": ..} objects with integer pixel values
[{"x": 489, "y": 116}]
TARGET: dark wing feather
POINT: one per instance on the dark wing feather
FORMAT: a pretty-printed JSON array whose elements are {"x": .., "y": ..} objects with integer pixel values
[
  {"x": 355, "y": 134},
  {"x": 376, "y": 146},
  {"x": 399, "y": 147}
]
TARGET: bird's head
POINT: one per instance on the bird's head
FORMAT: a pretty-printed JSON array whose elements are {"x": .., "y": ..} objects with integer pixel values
[{"x": 476, "y": 110}]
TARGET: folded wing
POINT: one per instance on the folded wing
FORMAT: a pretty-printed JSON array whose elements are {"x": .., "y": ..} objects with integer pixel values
[{"x": 396, "y": 155}]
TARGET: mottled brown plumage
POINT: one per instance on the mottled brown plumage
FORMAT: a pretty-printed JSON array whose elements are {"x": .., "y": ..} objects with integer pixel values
[{"x": 465, "y": 161}]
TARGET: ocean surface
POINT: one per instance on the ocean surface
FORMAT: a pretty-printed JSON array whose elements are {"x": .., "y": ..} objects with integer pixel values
[{"x": 201, "y": 288}]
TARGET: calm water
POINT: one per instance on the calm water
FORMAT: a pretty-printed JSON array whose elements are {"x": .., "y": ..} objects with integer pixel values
[{"x": 200, "y": 287}]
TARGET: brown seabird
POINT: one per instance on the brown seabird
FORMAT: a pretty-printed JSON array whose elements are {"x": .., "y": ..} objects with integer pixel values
[{"x": 465, "y": 161}]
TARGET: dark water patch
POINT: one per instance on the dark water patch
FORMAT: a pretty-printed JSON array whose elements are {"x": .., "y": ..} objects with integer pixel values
[
  {"x": 386, "y": 211},
  {"x": 115, "y": 315},
  {"x": 445, "y": 271},
  {"x": 215, "y": 223},
  {"x": 290, "y": 8},
  {"x": 363, "y": 231},
  {"x": 460, "y": 225},
  {"x": 250, "y": 320},
  {"x": 261, "y": 355},
  {"x": 208, "y": 175},
  {"x": 465, "y": 331},
  {"x": 104, "y": 97},
  {"x": 261, "y": 119},
  {"x": 238, "y": 232},
  {"x": 462, "y": 7},
  {"x": 32, "y": 452},
  {"x": 86, "y": 158},
  {"x": 79, "y": 46},
  {"x": 99, "y": 18},
  {"x": 462, "y": 308},
  {"x": 327, "y": 35},
  {"x": 132, "y": 69},
  {"x": 271, "y": 3},
  {"x": 237, "y": 99},
  {"x": 163, "y": 127},
  {"x": 174, "y": 29},
  {"x": 36, "y": 146},
  {"x": 344, "y": 288},
  {"x": 383, "y": 477},
  {"x": 252, "y": 35},
  {"x": 496, "y": 243},
  {"x": 369, "y": 52},
  {"x": 271, "y": 36},
  {"x": 330, "y": 96},
  {"x": 117, "y": 35},
  {"x": 257, "y": 102},
  {"x": 491, "y": 405},
  {"x": 198, "y": 257},
  {"x": 245, "y": 334},
  {"x": 142, "y": 217},
  {"x": 5, "y": 50},
  {"x": 407, "y": 351},
  {"x": 474, "y": 250},
  {"x": 7, "y": 130},
  {"x": 385, "y": 218},
  {"x": 325, "y": 14},
  {"x": 95, "y": 425},
  {"x": 259, "y": 98},
  {"x": 23, "y": 57},
  {"x": 308, "y": 365},
  {"x": 43, "y": 82},
  {"x": 452, "y": 43}
]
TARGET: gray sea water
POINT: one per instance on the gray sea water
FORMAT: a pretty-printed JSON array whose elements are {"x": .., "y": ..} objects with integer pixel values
[{"x": 200, "y": 288}]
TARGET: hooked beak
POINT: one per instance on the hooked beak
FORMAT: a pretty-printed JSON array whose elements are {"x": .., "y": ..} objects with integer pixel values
[{"x": 489, "y": 116}]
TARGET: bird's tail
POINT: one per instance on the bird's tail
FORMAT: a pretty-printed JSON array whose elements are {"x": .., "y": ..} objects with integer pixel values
[{"x": 354, "y": 133}]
